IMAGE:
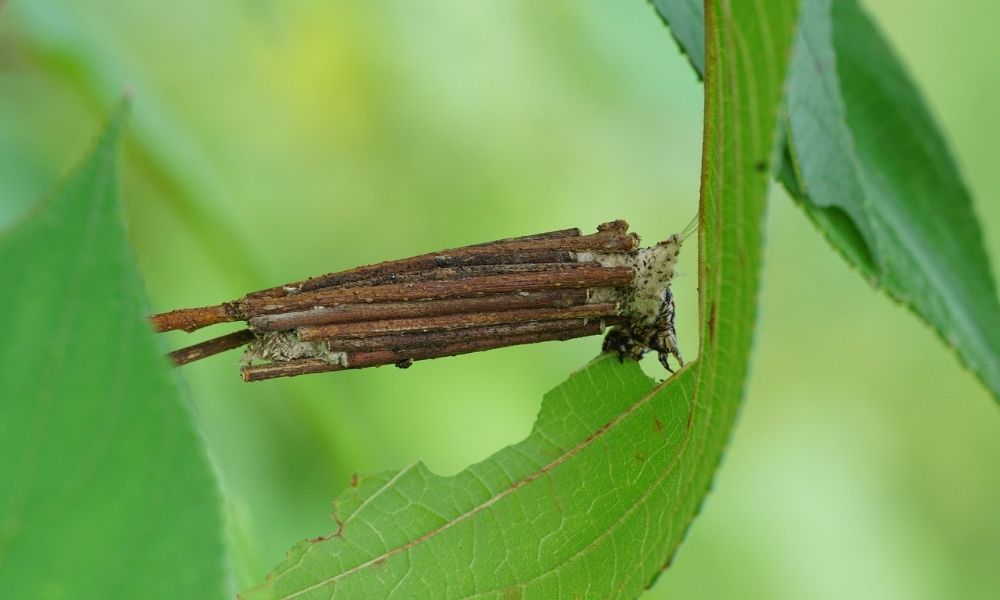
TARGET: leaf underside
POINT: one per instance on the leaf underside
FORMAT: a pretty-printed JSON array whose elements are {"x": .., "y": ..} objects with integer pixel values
[
  {"x": 596, "y": 500},
  {"x": 866, "y": 162},
  {"x": 104, "y": 489}
]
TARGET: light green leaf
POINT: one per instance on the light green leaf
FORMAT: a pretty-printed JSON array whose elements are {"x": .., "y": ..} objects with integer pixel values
[
  {"x": 866, "y": 162},
  {"x": 105, "y": 491},
  {"x": 596, "y": 500}
]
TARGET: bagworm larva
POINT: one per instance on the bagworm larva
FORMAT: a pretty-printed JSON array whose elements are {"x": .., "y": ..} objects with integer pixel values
[{"x": 551, "y": 286}]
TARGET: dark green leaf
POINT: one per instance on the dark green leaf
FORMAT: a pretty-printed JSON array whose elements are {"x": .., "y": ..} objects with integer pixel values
[
  {"x": 597, "y": 499},
  {"x": 105, "y": 491},
  {"x": 686, "y": 19},
  {"x": 895, "y": 179},
  {"x": 868, "y": 165}
]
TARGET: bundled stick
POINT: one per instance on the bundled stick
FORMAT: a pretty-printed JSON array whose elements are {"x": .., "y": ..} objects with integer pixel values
[{"x": 551, "y": 286}]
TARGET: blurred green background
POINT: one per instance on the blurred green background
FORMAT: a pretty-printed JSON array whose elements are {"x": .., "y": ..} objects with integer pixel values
[{"x": 272, "y": 140}]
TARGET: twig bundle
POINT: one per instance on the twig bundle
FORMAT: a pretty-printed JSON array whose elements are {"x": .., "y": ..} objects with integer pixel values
[{"x": 550, "y": 286}]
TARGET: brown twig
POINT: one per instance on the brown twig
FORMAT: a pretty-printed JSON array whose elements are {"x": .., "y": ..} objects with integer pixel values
[
  {"x": 408, "y": 341},
  {"x": 505, "y": 251},
  {"x": 577, "y": 277},
  {"x": 546, "y": 235},
  {"x": 440, "y": 273},
  {"x": 510, "y": 253},
  {"x": 450, "y": 322},
  {"x": 211, "y": 347},
  {"x": 357, "y": 360},
  {"x": 191, "y": 319},
  {"x": 347, "y": 313}
]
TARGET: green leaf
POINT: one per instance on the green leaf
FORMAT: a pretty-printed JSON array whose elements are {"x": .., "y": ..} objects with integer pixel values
[
  {"x": 866, "y": 145},
  {"x": 596, "y": 500},
  {"x": 105, "y": 491},
  {"x": 866, "y": 162},
  {"x": 686, "y": 20}
]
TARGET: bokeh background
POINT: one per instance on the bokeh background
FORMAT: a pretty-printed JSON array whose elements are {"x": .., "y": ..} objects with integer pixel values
[{"x": 272, "y": 140}]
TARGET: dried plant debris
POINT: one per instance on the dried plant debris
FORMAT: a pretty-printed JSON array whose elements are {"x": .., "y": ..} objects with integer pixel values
[{"x": 551, "y": 286}]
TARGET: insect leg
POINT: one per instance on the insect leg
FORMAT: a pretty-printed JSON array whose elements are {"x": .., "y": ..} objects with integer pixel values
[
  {"x": 664, "y": 337},
  {"x": 622, "y": 342}
]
